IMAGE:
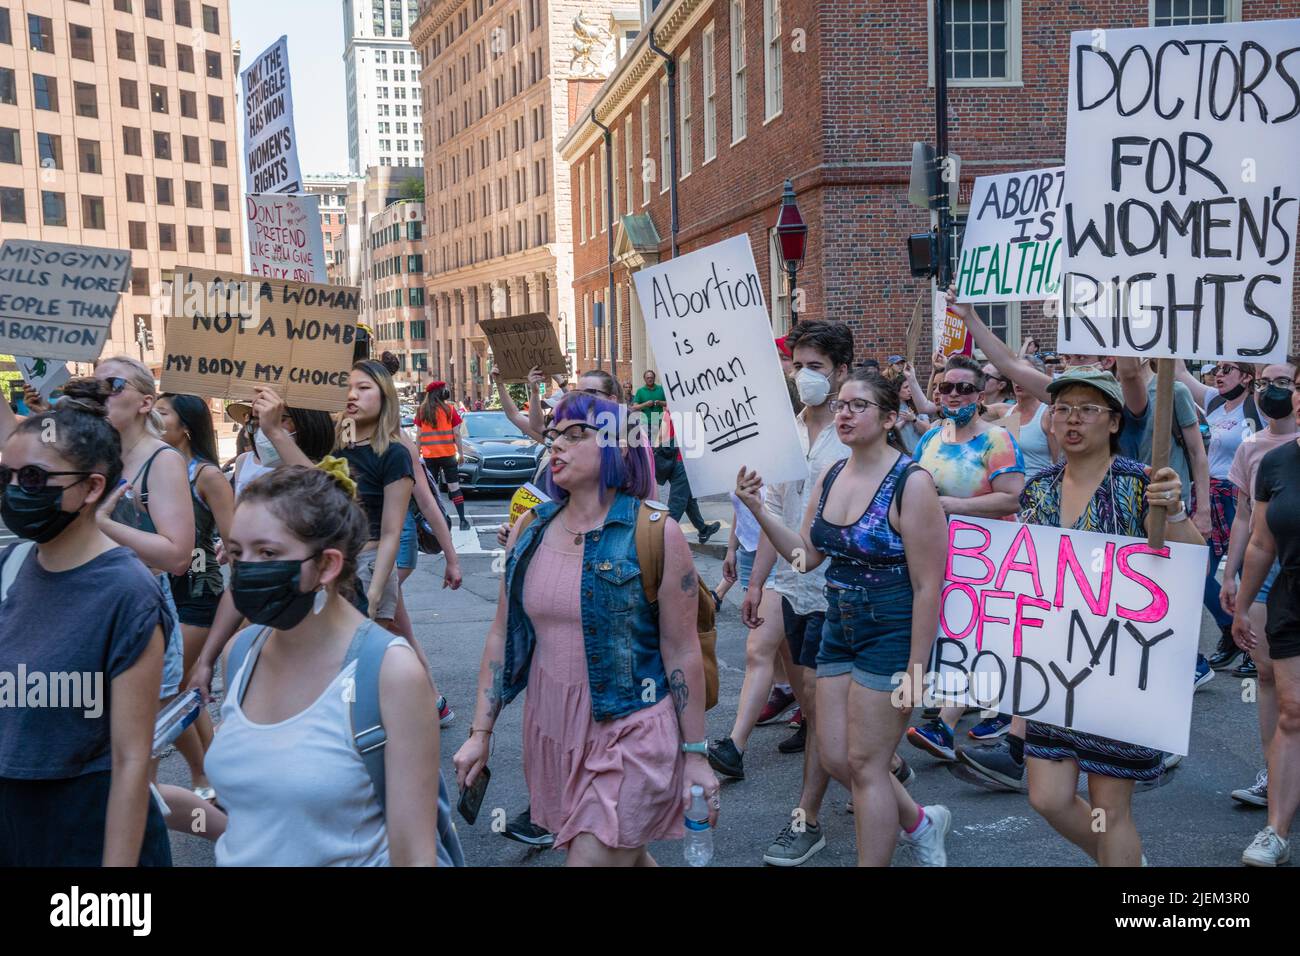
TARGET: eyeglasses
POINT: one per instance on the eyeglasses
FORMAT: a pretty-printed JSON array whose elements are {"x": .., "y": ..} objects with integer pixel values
[
  {"x": 33, "y": 478},
  {"x": 1224, "y": 369},
  {"x": 856, "y": 405},
  {"x": 1285, "y": 383},
  {"x": 1087, "y": 413},
  {"x": 597, "y": 392},
  {"x": 572, "y": 433},
  {"x": 961, "y": 388}
]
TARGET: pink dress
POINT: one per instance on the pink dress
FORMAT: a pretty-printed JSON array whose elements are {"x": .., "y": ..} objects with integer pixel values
[{"x": 620, "y": 780}]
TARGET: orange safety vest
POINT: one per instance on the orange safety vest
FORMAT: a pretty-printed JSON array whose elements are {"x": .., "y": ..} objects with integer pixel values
[{"x": 439, "y": 439}]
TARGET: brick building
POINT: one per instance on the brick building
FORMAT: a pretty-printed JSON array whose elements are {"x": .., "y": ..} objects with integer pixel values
[
  {"x": 118, "y": 129},
  {"x": 395, "y": 287},
  {"x": 831, "y": 94}
]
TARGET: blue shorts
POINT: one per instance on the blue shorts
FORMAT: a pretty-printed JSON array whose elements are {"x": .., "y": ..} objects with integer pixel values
[
  {"x": 867, "y": 634},
  {"x": 803, "y": 633},
  {"x": 408, "y": 549},
  {"x": 745, "y": 566},
  {"x": 174, "y": 652},
  {"x": 1267, "y": 586}
]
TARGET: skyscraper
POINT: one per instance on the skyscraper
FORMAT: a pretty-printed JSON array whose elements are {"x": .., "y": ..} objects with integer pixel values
[{"x": 383, "y": 84}]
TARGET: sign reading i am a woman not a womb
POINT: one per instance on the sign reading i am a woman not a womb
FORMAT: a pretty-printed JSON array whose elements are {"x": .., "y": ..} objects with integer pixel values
[{"x": 708, "y": 323}]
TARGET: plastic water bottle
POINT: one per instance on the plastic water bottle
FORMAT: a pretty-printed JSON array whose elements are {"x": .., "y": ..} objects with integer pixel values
[
  {"x": 173, "y": 721},
  {"x": 699, "y": 836}
]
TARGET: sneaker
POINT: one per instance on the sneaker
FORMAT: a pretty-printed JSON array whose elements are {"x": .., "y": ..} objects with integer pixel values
[
  {"x": 465, "y": 525},
  {"x": 445, "y": 714},
  {"x": 795, "y": 743},
  {"x": 796, "y": 719},
  {"x": 903, "y": 773},
  {"x": 778, "y": 702},
  {"x": 1246, "y": 669},
  {"x": 522, "y": 829},
  {"x": 1168, "y": 761},
  {"x": 1203, "y": 673},
  {"x": 927, "y": 849},
  {"x": 1255, "y": 795},
  {"x": 1267, "y": 849},
  {"x": 709, "y": 530},
  {"x": 791, "y": 849},
  {"x": 717, "y": 601},
  {"x": 934, "y": 738},
  {"x": 996, "y": 763},
  {"x": 726, "y": 759},
  {"x": 1226, "y": 653},
  {"x": 990, "y": 729}
]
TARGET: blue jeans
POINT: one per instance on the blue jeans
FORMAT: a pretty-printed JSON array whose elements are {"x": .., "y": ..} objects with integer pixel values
[
  {"x": 867, "y": 634},
  {"x": 408, "y": 550},
  {"x": 1211, "y": 596}
]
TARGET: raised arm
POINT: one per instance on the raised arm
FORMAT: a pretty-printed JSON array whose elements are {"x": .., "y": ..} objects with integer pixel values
[
  {"x": 269, "y": 408},
  {"x": 1013, "y": 366},
  {"x": 517, "y": 418},
  {"x": 794, "y": 546}
]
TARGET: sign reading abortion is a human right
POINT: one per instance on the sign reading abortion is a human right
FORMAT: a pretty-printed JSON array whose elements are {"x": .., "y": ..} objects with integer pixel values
[
  {"x": 1087, "y": 631},
  {"x": 708, "y": 324},
  {"x": 1011, "y": 246},
  {"x": 270, "y": 145},
  {"x": 1182, "y": 191}
]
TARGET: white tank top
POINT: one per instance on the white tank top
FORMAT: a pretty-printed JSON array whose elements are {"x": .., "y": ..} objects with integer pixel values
[
  {"x": 1032, "y": 440},
  {"x": 249, "y": 469},
  {"x": 297, "y": 792}
]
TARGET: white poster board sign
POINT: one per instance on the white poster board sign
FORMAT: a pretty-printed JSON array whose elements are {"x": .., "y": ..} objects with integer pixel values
[
  {"x": 42, "y": 374},
  {"x": 285, "y": 239},
  {"x": 1011, "y": 246},
  {"x": 707, "y": 320},
  {"x": 270, "y": 146},
  {"x": 1088, "y": 631},
  {"x": 1183, "y": 191}
]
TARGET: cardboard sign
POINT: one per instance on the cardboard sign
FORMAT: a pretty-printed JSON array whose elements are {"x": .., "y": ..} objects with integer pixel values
[
  {"x": 1183, "y": 190},
  {"x": 228, "y": 333},
  {"x": 708, "y": 324},
  {"x": 285, "y": 239},
  {"x": 59, "y": 300},
  {"x": 525, "y": 499},
  {"x": 951, "y": 337},
  {"x": 271, "y": 148},
  {"x": 521, "y": 342},
  {"x": 1071, "y": 628},
  {"x": 42, "y": 374},
  {"x": 1011, "y": 247}
]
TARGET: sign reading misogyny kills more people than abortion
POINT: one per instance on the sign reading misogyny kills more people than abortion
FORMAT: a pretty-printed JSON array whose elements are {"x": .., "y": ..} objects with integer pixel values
[
  {"x": 707, "y": 321},
  {"x": 284, "y": 237},
  {"x": 229, "y": 333},
  {"x": 57, "y": 301},
  {"x": 1011, "y": 246},
  {"x": 1071, "y": 628},
  {"x": 270, "y": 145},
  {"x": 1181, "y": 197}
]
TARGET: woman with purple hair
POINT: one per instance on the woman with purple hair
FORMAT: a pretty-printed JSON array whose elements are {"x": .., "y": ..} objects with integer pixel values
[{"x": 614, "y": 724}]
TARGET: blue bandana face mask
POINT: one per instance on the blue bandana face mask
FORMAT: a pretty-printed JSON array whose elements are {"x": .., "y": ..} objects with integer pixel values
[{"x": 962, "y": 416}]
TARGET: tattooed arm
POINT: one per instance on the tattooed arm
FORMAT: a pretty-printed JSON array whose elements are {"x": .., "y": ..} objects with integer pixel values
[{"x": 679, "y": 644}]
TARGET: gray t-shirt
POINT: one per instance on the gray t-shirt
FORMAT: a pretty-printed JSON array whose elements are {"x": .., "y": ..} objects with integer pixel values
[
  {"x": 66, "y": 636},
  {"x": 1135, "y": 436}
]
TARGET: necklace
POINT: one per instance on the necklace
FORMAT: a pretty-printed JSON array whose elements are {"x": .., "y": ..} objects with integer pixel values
[{"x": 577, "y": 535}]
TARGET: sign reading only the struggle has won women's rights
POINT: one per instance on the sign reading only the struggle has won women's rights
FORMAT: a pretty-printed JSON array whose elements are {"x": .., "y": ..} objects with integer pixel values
[{"x": 707, "y": 320}]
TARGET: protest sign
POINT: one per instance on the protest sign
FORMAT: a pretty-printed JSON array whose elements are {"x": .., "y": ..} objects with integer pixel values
[
  {"x": 951, "y": 337},
  {"x": 59, "y": 300},
  {"x": 525, "y": 499},
  {"x": 1011, "y": 246},
  {"x": 521, "y": 342},
  {"x": 1071, "y": 628},
  {"x": 708, "y": 324},
  {"x": 270, "y": 145},
  {"x": 284, "y": 237},
  {"x": 42, "y": 374},
  {"x": 228, "y": 333},
  {"x": 1181, "y": 197}
]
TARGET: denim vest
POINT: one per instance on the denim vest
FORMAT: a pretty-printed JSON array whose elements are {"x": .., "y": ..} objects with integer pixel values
[{"x": 620, "y": 629}]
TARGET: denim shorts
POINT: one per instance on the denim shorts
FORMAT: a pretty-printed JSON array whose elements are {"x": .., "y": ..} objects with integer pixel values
[
  {"x": 745, "y": 566},
  {"x": 407, "y": 549},
  {"x": 387, "y": 609},
  {"x": 803, "y": 632},
  {"x": 174, "y": 652},
  {"x": 867, "y": 634}
]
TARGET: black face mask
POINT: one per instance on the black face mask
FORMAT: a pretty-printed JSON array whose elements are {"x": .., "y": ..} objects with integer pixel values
[
  {"x": 36, "y": 516},
  {"x": 1275, "y": 402},
  {"x": 269, "y": 592},
  {"x": 1235, "y": 393}
]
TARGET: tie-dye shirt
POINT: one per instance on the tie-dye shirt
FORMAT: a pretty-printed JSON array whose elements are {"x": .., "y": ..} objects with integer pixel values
[{"x": 967, "y": 470}]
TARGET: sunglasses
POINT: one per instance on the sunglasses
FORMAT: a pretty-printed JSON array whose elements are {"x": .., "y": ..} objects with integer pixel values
[
  {"x": 116, "y": 385},
  {"x": 1225, "y": 369},
  {"x": 597, "y": 392},
  {"x": 33, "y": 478},
  {"x": 961, "y": 388},
  {"x": 571, "y": 433}
]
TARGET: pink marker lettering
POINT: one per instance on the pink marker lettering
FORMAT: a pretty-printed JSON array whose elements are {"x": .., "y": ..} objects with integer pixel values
[
  {"x": 1159, "y": 606},
  {"x": 1022, "y": 621},
  {"x": 956, "y": 525},
  {"x": 969, "y": 591},
  {"x": 1066, "y": 560},
  {"x": 1024, "y": 539},
  {"x": 986, "y": 617}
]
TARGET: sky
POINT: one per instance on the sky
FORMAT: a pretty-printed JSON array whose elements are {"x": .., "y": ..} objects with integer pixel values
[{"x": 315, "y": 31}]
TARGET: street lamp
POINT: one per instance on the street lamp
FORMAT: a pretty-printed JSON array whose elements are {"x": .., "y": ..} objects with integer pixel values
[{"x": 792, "y": 239}]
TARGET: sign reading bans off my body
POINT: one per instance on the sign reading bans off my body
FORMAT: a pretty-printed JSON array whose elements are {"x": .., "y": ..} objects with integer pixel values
[
  {"x": 1182, "y": 191},
  {"x": 229, "y": 333}
]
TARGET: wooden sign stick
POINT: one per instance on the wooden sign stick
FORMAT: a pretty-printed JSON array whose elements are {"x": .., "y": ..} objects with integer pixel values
[{"x": 1161, "y": 435}]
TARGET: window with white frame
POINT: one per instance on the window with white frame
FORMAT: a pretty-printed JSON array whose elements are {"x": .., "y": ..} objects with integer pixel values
[
  {"x": 628, "y": 160},
  {"x": 772, "y": 59},
  {"x": 613, "y": 157},
  {"x": 778, "y": 286},
  {"x": 582, "y": 202},
  {"x": 595, "y": 192},
  {"x": 739, "y": 99},
  {"x": 601, "y": 157},
  {"x": 645, "y": 149},
  {"x": 983, "y": 40},
  {"x": 684, "y": 109},
  {"x": 1186, "y": 13},
  {"x": 665, "y": 142},
  {"x": 710, "y": 96}
]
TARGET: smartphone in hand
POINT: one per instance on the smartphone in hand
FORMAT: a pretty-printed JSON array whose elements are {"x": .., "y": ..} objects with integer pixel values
[{"x": 471, "y": 798}]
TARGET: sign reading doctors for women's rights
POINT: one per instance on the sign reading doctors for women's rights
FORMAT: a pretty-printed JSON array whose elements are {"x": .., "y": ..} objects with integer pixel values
[
  {"x": 58, "y": 301},
  {"x": 1011, "y": 247},
  {"x": 708, "y": 324},
  {"x": 1181, "y": 191},
  {"x": 284, "y": 237},
  {"x": 270, "y": 146},
  {"x": 228, "y": 333},
  {"x": 1070, "y": 628}
]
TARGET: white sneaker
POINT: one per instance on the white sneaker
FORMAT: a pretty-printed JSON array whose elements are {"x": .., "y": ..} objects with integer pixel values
[
  {"x": 1267, "y": 849},
  {"x": 928, "y": 849},
  {"x": 1256, "y": 795}
]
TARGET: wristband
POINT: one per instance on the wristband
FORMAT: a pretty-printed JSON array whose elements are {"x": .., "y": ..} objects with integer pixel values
[
  {"x": 697, "y": 748},
  {"x": 1181, "y": 516}
]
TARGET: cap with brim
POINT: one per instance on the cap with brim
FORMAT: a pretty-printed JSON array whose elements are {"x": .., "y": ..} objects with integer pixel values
[
  {"x": 1103, "y": 382},
  {"x": 238, "y": 411},
  {"x": 895, "y": 359}
]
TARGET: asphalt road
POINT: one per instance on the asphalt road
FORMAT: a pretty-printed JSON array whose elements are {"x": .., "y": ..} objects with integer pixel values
[{"x": 1188, "y": 821}]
